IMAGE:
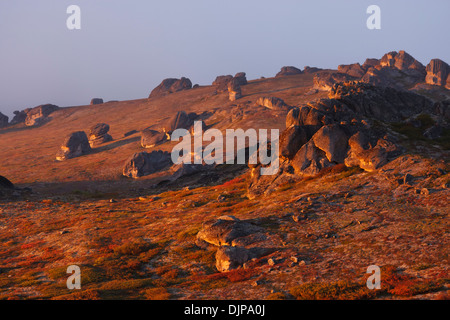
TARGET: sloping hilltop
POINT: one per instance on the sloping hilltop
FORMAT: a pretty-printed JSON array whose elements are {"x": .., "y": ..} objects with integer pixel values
[{"x": 363, "y": 180}]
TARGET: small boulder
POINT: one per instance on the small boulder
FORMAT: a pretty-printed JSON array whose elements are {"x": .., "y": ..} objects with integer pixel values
[
  {"x": 151, "y": 138},
  {"x": 75, "y": 145},
  {"x": 95, "y": 101},
  {"x": 230, "y": 258}
]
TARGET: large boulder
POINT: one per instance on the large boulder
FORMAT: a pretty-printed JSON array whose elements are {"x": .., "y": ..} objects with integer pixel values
[
  {"x": 3, "y": 120},
  {"x": 181, "y": 120},
  {"x": 143, "y": 163},
  {"x": 75, "y": 145},
  {"x": 309, "y": 160},
  {"x": 221, "y": 83},
  {"x": 292, "y": 139},
  {"x": 437, "y": 73},
  {"x": 224, "y": 230},
  {"x": 241, "y": 78},
  {"x": 288, "y": 71},
  {"x": 19, "y": 117},
  {"x": 99, "y": 134},
  {"x": 332, "y": 140},
  {"x": 39, "y": 114},
  {"x": 151, "y": 138},
  {"x": 171, "y": 85}
]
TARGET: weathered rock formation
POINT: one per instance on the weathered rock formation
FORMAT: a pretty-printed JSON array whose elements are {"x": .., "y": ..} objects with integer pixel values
[
  {"x": 151, "y": 138},
  {"x": 272, "y": 103},
  {"x": 241, "y": 78},
  {"x": 181, "y": 120},
  {"x": 288, "y": 71},
  {"x": 99, "y": 135},
  {"x": 19, "y": 117},
  {"x": 39, "y": 114},
  {"x": 338, "y": 130},
  {"x": 234, "y": 89},
  {"x": 354, "y": 70},
  {"x": 143, "y": 163},
  {"x": 75, "y": 145},
  {"x": 324, "y": 81},
  {"x": 438, "y": 73},
  {"x": 171, "y": 85}
]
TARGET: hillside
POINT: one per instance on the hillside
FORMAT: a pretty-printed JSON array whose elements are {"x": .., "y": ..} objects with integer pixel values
[{"x": 337, "y": 205}]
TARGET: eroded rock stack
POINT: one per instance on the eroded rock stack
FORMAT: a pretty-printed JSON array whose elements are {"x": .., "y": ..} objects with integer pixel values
[
  {"x": 234, "y": 89},
  {"x": 75, "y": 145},
  {"x": 99, "y": 135}
]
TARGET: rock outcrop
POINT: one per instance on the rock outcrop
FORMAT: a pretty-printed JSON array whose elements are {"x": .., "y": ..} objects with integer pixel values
[
  {"x": 95, "y": 101},
  {"x": 241, "y": 78},
  {"x": 354, "y": 70},
  {"x": 171, "y": 85},
  {"x": 288, "y": 71},
  {"x": 75, "y": 145},
  {"x": 99, "y": 135},
  {"x": 39, "y": 114},
  {"x": 438, "y": 73},
  {"x": 324, "y": 81},
  {"x": 151, "y": 138},
  {"x": 272, "y": 103},
  {"x": 3, "y": 120},
  {"x": 143, "y": 163},
  {"x": 19, "y": 117}
]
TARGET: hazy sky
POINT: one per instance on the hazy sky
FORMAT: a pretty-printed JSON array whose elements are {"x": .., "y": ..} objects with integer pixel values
[{"x": 126, "y": 48}]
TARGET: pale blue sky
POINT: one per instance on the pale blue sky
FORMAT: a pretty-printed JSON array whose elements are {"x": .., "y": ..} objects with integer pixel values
[{"x": 126, "y": 48}]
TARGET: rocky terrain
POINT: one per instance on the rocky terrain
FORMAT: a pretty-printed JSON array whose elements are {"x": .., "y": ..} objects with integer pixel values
[{"x": 363, "y": 180}]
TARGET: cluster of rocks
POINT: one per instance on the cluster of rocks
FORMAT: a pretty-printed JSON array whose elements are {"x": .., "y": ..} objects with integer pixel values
[
  {"x": 339, "y": 130},
  {"x": 222, "y": 82},
  {"x": 235, "y": 241},
  {"x": 144, "y": 163},
  {"x": 33, "y": 116},
  {"x": 171, "y": 85},
  {"x": 395, "y": 69},
  {"x": 99, "y": 134}
]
